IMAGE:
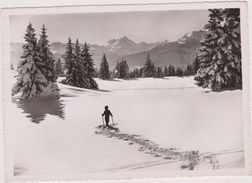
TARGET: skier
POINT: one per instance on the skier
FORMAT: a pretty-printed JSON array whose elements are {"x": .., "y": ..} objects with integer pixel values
[{"x": 107, "y": 114}]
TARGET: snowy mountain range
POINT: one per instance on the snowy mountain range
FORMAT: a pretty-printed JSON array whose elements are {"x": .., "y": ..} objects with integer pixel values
[
  {"x": 125, "y": 46},
  {"x": 178, "y": 53}
]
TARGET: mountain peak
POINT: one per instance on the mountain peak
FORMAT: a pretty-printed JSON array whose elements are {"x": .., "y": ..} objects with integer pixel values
[
  {"x": 122, "y": 43},
  {"x": 125, "y": 38},
  {"x": 194, "y": 35}
]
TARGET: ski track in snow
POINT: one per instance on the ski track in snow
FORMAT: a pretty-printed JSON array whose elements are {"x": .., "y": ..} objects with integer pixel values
[
  {"x": 192, "y": 158},
  {"x": 175, "y": 156}
]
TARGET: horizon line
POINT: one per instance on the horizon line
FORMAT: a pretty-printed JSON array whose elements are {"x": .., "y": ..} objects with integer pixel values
[{"x": 165, "y": 40}]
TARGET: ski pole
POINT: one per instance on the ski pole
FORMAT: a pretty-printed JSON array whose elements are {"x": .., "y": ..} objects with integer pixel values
[
  {"x": 113, "y": 121},
  {"x": 102, "y": 121}
]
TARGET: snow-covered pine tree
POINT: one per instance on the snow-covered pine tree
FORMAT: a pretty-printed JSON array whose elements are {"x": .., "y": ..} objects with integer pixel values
[
  {"x": 220, "y": 51},
  {"x": 104, "y": 69},
  {"x": 59, "y": 68},
  {"x": 79, "y": 76},
  {"x": 30, "y": 81},
  {"x": 122, "y": 69},
  {"x": 159, "y": 73},
  {"x": 207, "y": 52},
  {"x": 232, "y": 40},
  {"x": 88, "y": 67},
  {"x": 149, "y": 68},
  {"x": 125, "y": 69},
  {"x": 45, "y": 62},
  {"x": 69, "y": 64}
]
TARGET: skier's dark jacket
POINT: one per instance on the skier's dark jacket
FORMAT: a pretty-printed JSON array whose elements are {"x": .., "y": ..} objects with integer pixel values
[{"x": 107, "y": 113}]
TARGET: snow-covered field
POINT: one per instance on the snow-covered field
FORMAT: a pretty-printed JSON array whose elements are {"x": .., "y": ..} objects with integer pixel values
[{"x": 55, "y": 138}]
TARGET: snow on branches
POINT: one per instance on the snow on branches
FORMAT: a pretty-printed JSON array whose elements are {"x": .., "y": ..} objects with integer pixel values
[
  {"x": 35, "y": 74},
  {"x": 219, "y": 56}
]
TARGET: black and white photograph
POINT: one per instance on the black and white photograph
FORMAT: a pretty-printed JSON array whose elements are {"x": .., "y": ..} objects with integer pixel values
[{"x": 124, "y": 92}]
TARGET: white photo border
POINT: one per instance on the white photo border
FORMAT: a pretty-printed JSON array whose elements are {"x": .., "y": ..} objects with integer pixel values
[{"x": 6, "y": 97}]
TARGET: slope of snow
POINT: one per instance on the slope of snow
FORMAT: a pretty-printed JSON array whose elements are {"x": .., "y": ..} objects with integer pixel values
[
  {"x": 57, "y": 137},
  {"x": 176, "y": 105}
]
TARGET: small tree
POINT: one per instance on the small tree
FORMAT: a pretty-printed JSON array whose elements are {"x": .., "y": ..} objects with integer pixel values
[
  {"x": 179, "y": 72},
  {"x": 171, "y": 70},
  {"x": 104, "y": 69},
  {"x": 159, "y": 72},
  {"x": 122, "y": 69},
  {"x": 149, "y": 68},
  {"x": 59, "y": 68}
]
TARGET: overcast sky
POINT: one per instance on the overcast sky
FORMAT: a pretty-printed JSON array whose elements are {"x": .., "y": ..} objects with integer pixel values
[{"x": 98, "y": 28}]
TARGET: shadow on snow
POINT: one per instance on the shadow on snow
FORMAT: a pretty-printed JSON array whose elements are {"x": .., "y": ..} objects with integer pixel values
[
  {"x": 37, "y": 108},
  {"x": 78, "y": 90},
  {"x": 81, "y": 90}
]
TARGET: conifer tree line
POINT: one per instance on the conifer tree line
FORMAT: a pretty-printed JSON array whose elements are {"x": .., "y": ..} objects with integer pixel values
[
  {"x": 219, "y": 57},
  {"x": 122, "y": 71},
  {"x": 149, "y": 69},
  {"x": 36, "y": 70}
]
